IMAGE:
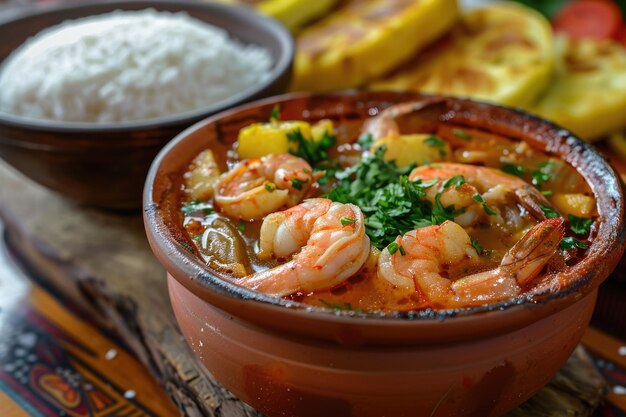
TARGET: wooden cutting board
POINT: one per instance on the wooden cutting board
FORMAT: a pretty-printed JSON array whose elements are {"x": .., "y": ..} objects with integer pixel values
[{"x": 102, "y": 261}]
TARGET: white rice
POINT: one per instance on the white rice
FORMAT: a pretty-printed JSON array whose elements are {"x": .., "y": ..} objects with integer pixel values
[{"x": 126, "y": 66}]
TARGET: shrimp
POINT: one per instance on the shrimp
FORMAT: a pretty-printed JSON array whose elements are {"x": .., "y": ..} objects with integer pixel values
[
  {"x": 327, "y": 241},
  {"x": 257, "y": 187},
  {"x": 430, "y": 253},
  {"x": 408, "y": 117},
  {"x": 497, "y": 189}
]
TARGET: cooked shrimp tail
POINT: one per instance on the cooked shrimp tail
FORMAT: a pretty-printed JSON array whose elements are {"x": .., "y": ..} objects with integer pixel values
[
  {"x": 531, "y": 253},
  {"x": 430, "y": 251},
  {"x": 519, "y": 266}
]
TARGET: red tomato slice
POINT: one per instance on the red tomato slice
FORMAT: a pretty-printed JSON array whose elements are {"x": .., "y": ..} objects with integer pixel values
[{"x": 589, "y": 19}]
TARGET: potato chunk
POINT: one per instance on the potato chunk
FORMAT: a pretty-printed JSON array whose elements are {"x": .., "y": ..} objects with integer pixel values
[
  {"x": 260, "y": 139},
  {"x": 579, "y": 205},
  {"x": 417, "y": 148}
]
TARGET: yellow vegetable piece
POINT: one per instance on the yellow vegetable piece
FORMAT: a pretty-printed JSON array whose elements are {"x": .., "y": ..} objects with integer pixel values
[
  {"x": 366, "y": 38},
  {"x": 588, "y": 94},
  {"x": 322, "y": 127},
  {"x": 418, "y": 148},
  {"x": 294, "y": 13},
  {"x": 501, "y": 53},
  {"x": 579, "y": 205},
  {"x": 260, "y": 139},
  {"x": 202, "y": 175}
]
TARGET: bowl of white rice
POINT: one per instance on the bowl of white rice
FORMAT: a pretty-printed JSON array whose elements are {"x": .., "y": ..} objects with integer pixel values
[{"x": 90, "y": 92}]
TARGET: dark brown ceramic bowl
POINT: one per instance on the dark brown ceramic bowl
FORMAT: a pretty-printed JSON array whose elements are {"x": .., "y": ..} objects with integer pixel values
[
  {"x": 105, "y": 165},
  {"x": 285, "y": 358}
]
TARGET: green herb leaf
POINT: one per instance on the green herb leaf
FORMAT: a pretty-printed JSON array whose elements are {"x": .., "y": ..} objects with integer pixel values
[
  {"x": 241, "y": 226},
  {"x": 549, "y": 8},
  {"x": 455, "y": 181},
  {"x": 479, "y": 198},
  {"x": 440, "y": 213},
  {"x": 365, "y": 141},
  {"x": 435, "y": 141},
  {"x": 579, "y": 225},
  {"x": 402, "y": 251},
  {"x": 516, "y": 170},
  {"x": 205, "y": 207},
  {"x": 270, "y": 187},
  {"x": 347, "y": 220},
  {"x": 392, "y": 204},
  {"x": 549, "y": 212},
  {"x": 547, "y": 193},
  {"x": 275, "y": 114},
  {"x": 540, "y": 177},
  {"x": 476, "y": 245},
  {"x": 570, "y": 243},
  {"x": 310, "y": 150},
  {"x": 297, "y": 183},
  {"x": 461, "y": 134},
  {"x": 393, "y": 247}
]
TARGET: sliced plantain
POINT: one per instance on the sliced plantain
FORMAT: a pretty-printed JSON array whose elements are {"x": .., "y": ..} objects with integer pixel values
[
  {"x": 292, "y": 13},
  {"x": 588, "y": 95},
  {"x": 366, "y": 38},
  {"x": 501, "y": 53}
]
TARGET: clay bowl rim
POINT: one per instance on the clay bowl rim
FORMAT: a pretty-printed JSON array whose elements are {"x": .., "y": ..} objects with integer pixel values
[
  {"x": 241, "y": 15},
  {"x": 609, "y": 242}
]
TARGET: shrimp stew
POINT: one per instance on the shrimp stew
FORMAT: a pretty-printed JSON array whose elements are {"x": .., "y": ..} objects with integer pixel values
[{"x": 391, "y": 215}]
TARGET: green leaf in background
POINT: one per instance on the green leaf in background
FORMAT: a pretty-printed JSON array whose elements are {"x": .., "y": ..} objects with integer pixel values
[
  {"x": 550, "y": 8},
  {"x": 546, "y": 7}
]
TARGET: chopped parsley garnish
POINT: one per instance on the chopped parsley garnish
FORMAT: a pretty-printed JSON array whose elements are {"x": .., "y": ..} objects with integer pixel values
[
  {"x": 297, "y": 183},
  {"x": 270, "y": 187},
  {"x": 542, "y": 175},
  {"x": 393, "y": 247},
  {"x": 549, "y": 212},
  {"x": 311, "y": 150},
  {"x": 547, "y": 193},
  {"x": 455, "y": 181},
  {"x": 402, "y": 251},
  {"x": 514, "y": 169},
  {"x": 193, "y": 206},
  {"x": 461, "y": 134},
  {"x": 241, "y": 226},
  {"x": 392, "y": 204},
  {"x": 275, "y": 114},
  {"x": 570, "y": 243},
  {"x": 435, "y": 141},
  {"x": 476, "y": 245},
  {"x": 365, "y": 141},
  {"x": 440, "y": 213},
  {"x": 579, "y": 225},
  {"x": 347, "y": 220},
  {"x": 197, "y": 238},
  {"x": 479, "y": 199}
]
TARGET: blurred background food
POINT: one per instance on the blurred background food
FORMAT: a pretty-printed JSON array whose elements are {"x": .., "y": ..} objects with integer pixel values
[
  {"x": 362, "y": 40},
  {"x": 502, "y": 53},
  {"x": 562, "y": 59},
  {"x": 128, "y": 65}
]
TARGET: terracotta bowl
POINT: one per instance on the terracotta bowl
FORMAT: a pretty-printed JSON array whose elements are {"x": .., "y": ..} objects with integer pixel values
[
  {"x": 288, "y": 359},
  {"x": 105, "y": 165}
]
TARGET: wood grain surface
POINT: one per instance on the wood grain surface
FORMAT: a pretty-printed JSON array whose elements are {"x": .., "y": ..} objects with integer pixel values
[{"x": 103, "y": 263}]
